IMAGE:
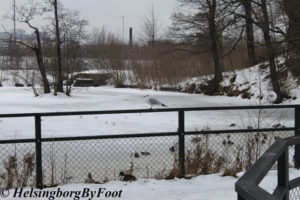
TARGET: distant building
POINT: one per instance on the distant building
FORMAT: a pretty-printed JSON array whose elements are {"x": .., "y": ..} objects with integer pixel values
[
  {"x": 20, "y": 35},
  {"x": 4, "y": 38}
]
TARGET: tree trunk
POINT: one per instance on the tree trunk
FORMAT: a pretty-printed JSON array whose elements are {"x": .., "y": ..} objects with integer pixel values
[
  {"x": 291, "y": 8},
  {"x": 213, "y": 33},
  {"x": 59, "y": 83},
  {"x": 39, "y": 57},
  {"x": 249, "y": 31},
  {"x": 270, "y": 51}
]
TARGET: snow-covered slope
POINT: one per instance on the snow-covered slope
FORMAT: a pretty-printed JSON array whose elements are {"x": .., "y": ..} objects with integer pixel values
[{"x": 251, "y": 83}]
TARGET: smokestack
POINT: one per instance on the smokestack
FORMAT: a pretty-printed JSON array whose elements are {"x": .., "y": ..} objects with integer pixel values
[{"x": 130, "y": 36}]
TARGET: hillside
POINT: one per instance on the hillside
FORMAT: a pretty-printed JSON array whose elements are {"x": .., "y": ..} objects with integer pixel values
[{"x": 252, "y": 83}]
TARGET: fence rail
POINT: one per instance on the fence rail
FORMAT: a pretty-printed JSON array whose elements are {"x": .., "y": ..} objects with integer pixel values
[
  {"x": 181, "y": 133},
  {"x": 105, "y": 112}
]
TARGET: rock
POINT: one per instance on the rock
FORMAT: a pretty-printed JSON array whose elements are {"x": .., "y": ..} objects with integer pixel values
[
  {"x": 19, "y": 85},
  {"x": 246, "y": 94},
  {"x": 232, "y": 80}
]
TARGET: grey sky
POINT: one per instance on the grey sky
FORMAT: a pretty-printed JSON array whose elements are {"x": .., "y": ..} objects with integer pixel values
[{"x": 109, "y": 12}]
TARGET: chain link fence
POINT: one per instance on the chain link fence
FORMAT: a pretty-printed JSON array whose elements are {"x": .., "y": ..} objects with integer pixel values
[
  {"x": 101, "y": 160},
  {"x": 72, "y": 161},
  {"x": 295, "y": 194},
  {"x": 97, "y": 159}
]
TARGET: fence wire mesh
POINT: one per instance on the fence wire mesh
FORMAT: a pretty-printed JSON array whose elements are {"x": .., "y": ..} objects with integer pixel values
[
  {"x": 206, "y": 154},
  {"x": 101, "y": 160},
  {"x": 295, "y": 194},
  {"x": 72, "y": 161}
]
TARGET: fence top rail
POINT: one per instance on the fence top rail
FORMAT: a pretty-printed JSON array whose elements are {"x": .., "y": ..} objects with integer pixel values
[
  {"x": 143, "y": 135},
  {"x": 103, "y": 112}
]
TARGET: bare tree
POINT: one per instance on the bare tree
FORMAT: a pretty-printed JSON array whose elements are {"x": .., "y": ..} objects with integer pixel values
[
  {"x": 247, "y": 6},
  {"x": 74, "y": 29},
  {"x": 151, "y": 28},
  {"x": 197, "y": 18},
  {"x": 107, "y": 55},
  {"x": 59, "y": 81},
  {"x": 65, "y": 26},
  {"x": 262, "y": 17},
  {"x": 2, "y": 63},
  {"x": 25, "y": 14},
  {"x": 291, "y": 8},
  {"x": 213, "y": 33},
  {"x": 263, "y": 21}
]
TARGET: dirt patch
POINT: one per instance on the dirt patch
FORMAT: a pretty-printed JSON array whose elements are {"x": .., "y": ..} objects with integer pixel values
[
  {"x": 263, "y": 66},
  {"x": 233, "y": 79}
]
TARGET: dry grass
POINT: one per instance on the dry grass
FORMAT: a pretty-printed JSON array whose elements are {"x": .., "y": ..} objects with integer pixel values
[{"x": 18, "y": 172}]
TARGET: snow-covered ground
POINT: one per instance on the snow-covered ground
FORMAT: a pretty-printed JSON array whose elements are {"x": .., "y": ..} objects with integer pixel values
[
  {"x": 205, "y": 187},
  {"x": 22, "y": 100}
]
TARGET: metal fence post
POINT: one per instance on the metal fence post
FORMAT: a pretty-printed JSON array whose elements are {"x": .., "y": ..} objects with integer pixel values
[
  {"x": 283, "y": 172},
  {"x": 181, "y": 143},
  {"x": 297, "y": 133},
  {"x": 38, "y": 151}
]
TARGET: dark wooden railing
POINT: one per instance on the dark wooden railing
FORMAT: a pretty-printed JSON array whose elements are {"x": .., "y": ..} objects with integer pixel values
[{"x": 248, "y": 187}]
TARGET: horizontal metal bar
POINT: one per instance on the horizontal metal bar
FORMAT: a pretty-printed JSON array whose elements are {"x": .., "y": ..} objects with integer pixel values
[
  {"x": 16, "y": 141},
  {"x": 124, "y": 136},
  {"x": 239, "y": 131},
  {"x": 139, "y": 135},
  {"x": 103, "y": 112}
]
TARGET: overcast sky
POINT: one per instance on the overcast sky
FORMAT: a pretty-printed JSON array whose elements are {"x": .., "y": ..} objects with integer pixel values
[{"x": 108, "y": 12}]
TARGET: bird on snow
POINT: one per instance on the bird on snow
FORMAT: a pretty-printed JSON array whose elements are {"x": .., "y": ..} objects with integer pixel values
[
  {"x": 90, "y": 179},
  {"x": 271, "y": 98},
  {"x": 153, "y": 102},
  {"x": 127, "y": 177}
]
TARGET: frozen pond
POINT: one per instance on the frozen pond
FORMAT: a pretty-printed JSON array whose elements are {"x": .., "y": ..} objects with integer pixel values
[{"x": 16, "y": 100}]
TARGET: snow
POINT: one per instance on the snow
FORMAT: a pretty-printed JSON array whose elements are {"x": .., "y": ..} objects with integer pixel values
[
  {"x": 256, "y": 80},
  {"x": 212, "y": 187},
  {"x": 22, "y": 100}
]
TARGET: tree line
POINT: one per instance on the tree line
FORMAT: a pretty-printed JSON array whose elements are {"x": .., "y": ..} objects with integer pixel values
[
  {"x": 205, "y": 35},
  {"x": 276, "y": 21}
]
